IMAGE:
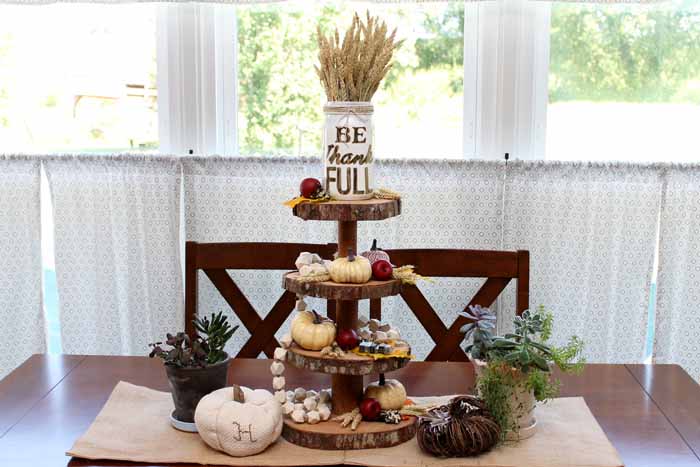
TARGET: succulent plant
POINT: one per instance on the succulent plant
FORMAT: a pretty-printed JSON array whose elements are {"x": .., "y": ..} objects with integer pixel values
[
  {"x": 480, "y": 329},
  {"x": 522, "y": 357},
  {"x": 207, "y": 348},
  {"x": 524, "y": 348}
]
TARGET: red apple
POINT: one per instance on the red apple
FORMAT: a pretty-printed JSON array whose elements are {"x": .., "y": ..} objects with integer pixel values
[
  {"x": 347, "y": 339},
  {"x": 382, "y": 270},
  {"x": 309, "y": 187},
  {"x": 370, "y": 409}
]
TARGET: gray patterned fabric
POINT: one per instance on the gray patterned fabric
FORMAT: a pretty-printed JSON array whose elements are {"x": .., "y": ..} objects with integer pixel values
[
  {"x": 117, "y": 251},
  {"x": 590, "y": 228},
  {"x": 446, "y": 204},
  {"x": 678, "y": 302},
  {"x": 591, "y": 232},
  {"x": 21, "y": 314}
]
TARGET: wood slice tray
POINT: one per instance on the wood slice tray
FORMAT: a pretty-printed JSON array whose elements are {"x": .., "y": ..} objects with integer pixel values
[
  {"x": 331, "y": 436},
  {"x": 366, "y": 210},
  {"x": 335, "y": 291},
  {"x": 352, "y": 364}
]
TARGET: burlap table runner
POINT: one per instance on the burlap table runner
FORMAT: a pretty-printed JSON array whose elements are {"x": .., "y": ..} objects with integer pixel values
[{"x": 133, "y": 426}]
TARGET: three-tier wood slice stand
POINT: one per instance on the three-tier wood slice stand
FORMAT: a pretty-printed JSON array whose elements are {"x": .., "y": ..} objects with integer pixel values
[{"x": 347, "y": 373}]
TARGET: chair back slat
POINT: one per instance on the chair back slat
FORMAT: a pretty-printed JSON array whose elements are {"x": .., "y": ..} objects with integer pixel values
[
  {"x": 458, "y": 263},
  {"x": 497, "y": 267},
  {"x": 215, "y": 258}
]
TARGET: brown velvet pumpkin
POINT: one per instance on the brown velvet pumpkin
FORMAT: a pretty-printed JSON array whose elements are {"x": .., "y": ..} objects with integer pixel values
[{"x": 462, "y": 428}]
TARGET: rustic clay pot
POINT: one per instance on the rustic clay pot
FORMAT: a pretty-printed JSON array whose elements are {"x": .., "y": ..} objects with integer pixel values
[
  {"x": 522, "y": 406},
  {"x": 189, "y": 385}
]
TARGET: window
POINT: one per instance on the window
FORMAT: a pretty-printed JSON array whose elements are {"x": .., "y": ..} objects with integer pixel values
[
  {"x": 624, "y": 82},
  {"x": 78, "y": 78},
  {"x": 476, "y": 79},
  {"x": 280, "y": 99}
]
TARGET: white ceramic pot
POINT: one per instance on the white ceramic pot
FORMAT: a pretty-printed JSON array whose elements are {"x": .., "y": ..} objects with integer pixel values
[
  {"x": 522, "y": 406},
  {"x": 348, "y": 136}
]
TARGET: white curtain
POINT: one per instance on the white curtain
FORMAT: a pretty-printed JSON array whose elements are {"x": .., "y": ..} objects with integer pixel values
[
  {"x": 240, "y": 200},
  {"x": 445, "y": 204},
  {"x": 21, "y": 314},
  {"x": 591, "y": 233},
  {"x": 678, "y": 300},
  {"x": 117, "y": 251}
]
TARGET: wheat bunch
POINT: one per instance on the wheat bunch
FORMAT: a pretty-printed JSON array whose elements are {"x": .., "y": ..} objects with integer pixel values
[{"x": 351, "y": 70}]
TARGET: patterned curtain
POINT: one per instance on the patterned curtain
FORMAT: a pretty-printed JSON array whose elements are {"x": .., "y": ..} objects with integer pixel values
[
  {"x": 117, "y": 251},
  {"x": 446, "y": 204},
  {"x": 21, "y": 313},
  {"x": 591, "y": 232},
  {"x": 590, "y": 228},
  {"x": 678, "y": 301}
]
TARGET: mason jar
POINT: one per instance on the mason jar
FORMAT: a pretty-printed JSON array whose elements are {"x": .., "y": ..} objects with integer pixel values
[{"x": 348, "y": 134}]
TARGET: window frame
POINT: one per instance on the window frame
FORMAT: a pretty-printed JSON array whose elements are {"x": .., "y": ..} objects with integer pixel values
[
  {"x": 505, "y": 71},
  {"x": 196, "y": 63}
]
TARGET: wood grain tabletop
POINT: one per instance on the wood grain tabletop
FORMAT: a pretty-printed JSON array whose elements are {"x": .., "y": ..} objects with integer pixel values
[{"x": 651, "y": 413}]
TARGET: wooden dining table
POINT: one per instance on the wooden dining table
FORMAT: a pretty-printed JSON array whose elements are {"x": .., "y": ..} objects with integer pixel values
[{"x": 650, "y": 413}]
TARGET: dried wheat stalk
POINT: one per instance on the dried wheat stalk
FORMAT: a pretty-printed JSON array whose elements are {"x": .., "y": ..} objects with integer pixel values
[{"x": 351, "y": 70}]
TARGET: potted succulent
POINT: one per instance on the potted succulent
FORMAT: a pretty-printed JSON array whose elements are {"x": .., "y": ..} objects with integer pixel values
[
  {"x": 195, "y": 367},
  {"x": 513, "y": 371}
]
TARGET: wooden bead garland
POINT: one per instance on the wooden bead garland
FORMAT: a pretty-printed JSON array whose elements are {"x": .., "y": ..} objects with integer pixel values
[
  {"x": 462, "y": 428},
  {"x": 300, "y": 405}
]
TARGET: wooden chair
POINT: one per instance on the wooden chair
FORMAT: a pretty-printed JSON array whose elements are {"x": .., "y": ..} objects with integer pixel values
[
  {"x": 215, "y": 258},
  {"x": 498, "y": 267}
]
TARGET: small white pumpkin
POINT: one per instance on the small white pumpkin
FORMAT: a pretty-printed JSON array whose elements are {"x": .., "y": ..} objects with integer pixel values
[
  {"x": 390, "y": 393},
  {"x": 312, "y": 331},
  {"x": 351, "y": 269},
  {"x": 239, "y": 421},
  {"x": 305, "y": 259}
]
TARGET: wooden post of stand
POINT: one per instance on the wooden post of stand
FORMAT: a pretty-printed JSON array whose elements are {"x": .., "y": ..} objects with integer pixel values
[
  {"x": 348, "y": 387},
  {"x": 347, "y": 390}
]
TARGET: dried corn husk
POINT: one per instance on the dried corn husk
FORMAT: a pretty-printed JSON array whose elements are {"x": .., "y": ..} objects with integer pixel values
[
  {"x": 317, "y": 278},
  {"x": 407, "y": 275},
  {"x": 385, "y": 193}
]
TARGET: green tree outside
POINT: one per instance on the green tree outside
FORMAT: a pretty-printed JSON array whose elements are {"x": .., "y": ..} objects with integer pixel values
[
  {"x": 625, "y": 53},
  {"x": 280, "y": 98}
]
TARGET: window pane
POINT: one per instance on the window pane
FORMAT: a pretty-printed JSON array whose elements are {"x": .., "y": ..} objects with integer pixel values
[
  {"x": 624, "y": 82},
  {"x": 418, "y": 109},
  {"x": 78, "y": 78}
]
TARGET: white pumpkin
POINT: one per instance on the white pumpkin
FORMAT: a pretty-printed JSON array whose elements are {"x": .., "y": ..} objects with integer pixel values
[
  {"x": 239, "y": 423},
  {"x": 312, "y": 331},
  {"x": 305, "y": 259},
  {"x": 351, "y": 269},
  {"x": 390, "y": 393}
]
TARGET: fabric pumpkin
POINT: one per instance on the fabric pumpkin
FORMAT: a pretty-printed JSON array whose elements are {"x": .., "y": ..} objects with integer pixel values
[
  {"x": 312, "y": 331},
  {"x": 390, "y": 393},
  {"x": 350, "y": 270},
  {"x": 374, "y": 254},
  {"x": 239, "y": 421}
]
